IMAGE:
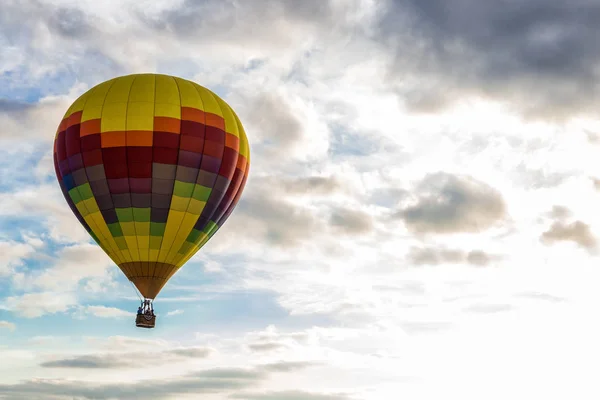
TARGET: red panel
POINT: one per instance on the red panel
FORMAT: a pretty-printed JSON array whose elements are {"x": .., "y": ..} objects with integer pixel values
[
  {"x": 141, "y": 154},
  {"x": 140, "y": 170},
  {"x": 115, "y": 170},
  {"x": 164, "y": 156},
  {"x": 93, "y": 157},
  {"x": 165, "y": 139}
]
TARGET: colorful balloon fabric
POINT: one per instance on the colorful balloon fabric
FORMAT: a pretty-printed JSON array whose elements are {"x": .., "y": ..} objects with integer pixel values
[{"x": 151, "y": 165}]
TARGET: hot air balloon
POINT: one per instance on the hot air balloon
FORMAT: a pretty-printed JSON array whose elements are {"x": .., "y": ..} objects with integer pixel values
[{"x": 152, "y": 166}]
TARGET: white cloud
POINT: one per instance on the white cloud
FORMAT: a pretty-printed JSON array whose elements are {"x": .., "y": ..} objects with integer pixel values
[
  {"x": 34, "y": 305},
  {"x": 106, "y": 312},
  {"x": 8, "y": 325}
]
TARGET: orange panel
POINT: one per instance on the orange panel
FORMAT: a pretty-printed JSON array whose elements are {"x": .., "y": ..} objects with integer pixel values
[
  {"x": 90, "y": 127},
  {"x": 215, "y": 120},
  {"x": 139, "y": 138},
  {"x": 167, "y": 124},
  {"x": 113, "y": 139}
]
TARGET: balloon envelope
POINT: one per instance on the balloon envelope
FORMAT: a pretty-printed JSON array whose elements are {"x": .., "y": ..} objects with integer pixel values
[{"x": 151, "y": 165}]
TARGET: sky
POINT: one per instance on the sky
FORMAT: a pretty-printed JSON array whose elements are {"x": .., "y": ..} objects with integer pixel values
[{"x": 420, "y": 218}]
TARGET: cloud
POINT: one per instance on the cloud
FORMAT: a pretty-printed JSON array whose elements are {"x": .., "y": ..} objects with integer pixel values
[
  {"x": 7, "y": 325},
  {"x": 129, "y": 359},
  {"x": 265, "y": 347},
  {"x": 450, "y": 204},
  {"x": 106, "y": 312},
  {"x": 489, "y": 308},
  {"x": 13, "y": 254},
  {"x": 436, "y": 256},
  {"x": 351, "y": 222},
  {"x": 32, "y": 305},
  {"x": 174, "y": 312},
  {"x": 217, "y": 380},
  {"x": 559, "y": 212},
  {"x": 576, "y": 232},
  {"x": 540, "y": 56},
  {"x": 291, "y": 395}
]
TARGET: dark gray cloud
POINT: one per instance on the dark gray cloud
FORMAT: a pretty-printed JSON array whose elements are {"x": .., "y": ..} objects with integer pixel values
[
  {"x": 352, "y": 222},
  {"x": 577, "y": 232},
  {"x": 128, "y": 360},
  {"x": 13, "y": 106},
  {"x": 262, "y": 21},
  {"x": 218, "y": 380},
  {"x": 449, "y": 203},
  {"x": 541, "y": 55},
  {"x": 290, "y": 395}
]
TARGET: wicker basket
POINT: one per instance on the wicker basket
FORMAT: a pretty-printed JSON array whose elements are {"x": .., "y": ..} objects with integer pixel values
[{"x": 145, "y": 321}]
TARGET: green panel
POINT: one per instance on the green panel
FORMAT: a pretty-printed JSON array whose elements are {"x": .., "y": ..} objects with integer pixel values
[
  {"x": 157, "y": 228},
  {"x": 141, "y": 214},
  {"x": 115, "y": 229},
  {"x": 185, "y": 247},
  {"x": 75, "y": 196},
  {"x": 201, "y": 193},
  {"x": 124, "y": 214},
  {"x": 208, "y": 227},
  {"x": 121, "y": 243},
  {"x": 183, "y": 189},
  {"x": 193, "y": 236},
  {"x": 85, "y": 191}
]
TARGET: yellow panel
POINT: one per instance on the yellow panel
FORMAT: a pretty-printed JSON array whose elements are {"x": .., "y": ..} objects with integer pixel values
[
  {"x": 195, "y": 206},
  {"x": 132, "y": 246},
  {"x": 89, "y": 113},
  {"x": 187, "y": 224},
  {"x": 95, "y": 222},
  {"x": 167, "y": 91},
  {"x": 82, "y": 209},
  {"x": 126, "y": 255},
  {"x": 155, "y": 241},
  {"x": 98, "y": 94},
  {"x": 179, "y": 203},
  {"x": 144, "y": 255},
  {"x": 244, "y": 147},
  {"x": 140, "y": 116},
  {"x": 167, "y": 110},
  {"x": 153, "y": 255},
  {"x": 208, "y": 99},
  {"x": 189, "y": 94},
  {"x": 177, "y": 259},
  {"x": 142, "y": 228},
  {"x": 114, "y": 117},
  {"x": 143, "y": 242},
  {"x": 173, "y": 222},
  {"x": 91, "y": 205},
  {"x": 77, "y": 104},
  {"x": 93, "y": 106},
  {"x": 142, "y": 89},
  {"x": 119, "y": 91},
  {"x": 231, "y": 124},
  {"x": 128, "y": 228}
]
